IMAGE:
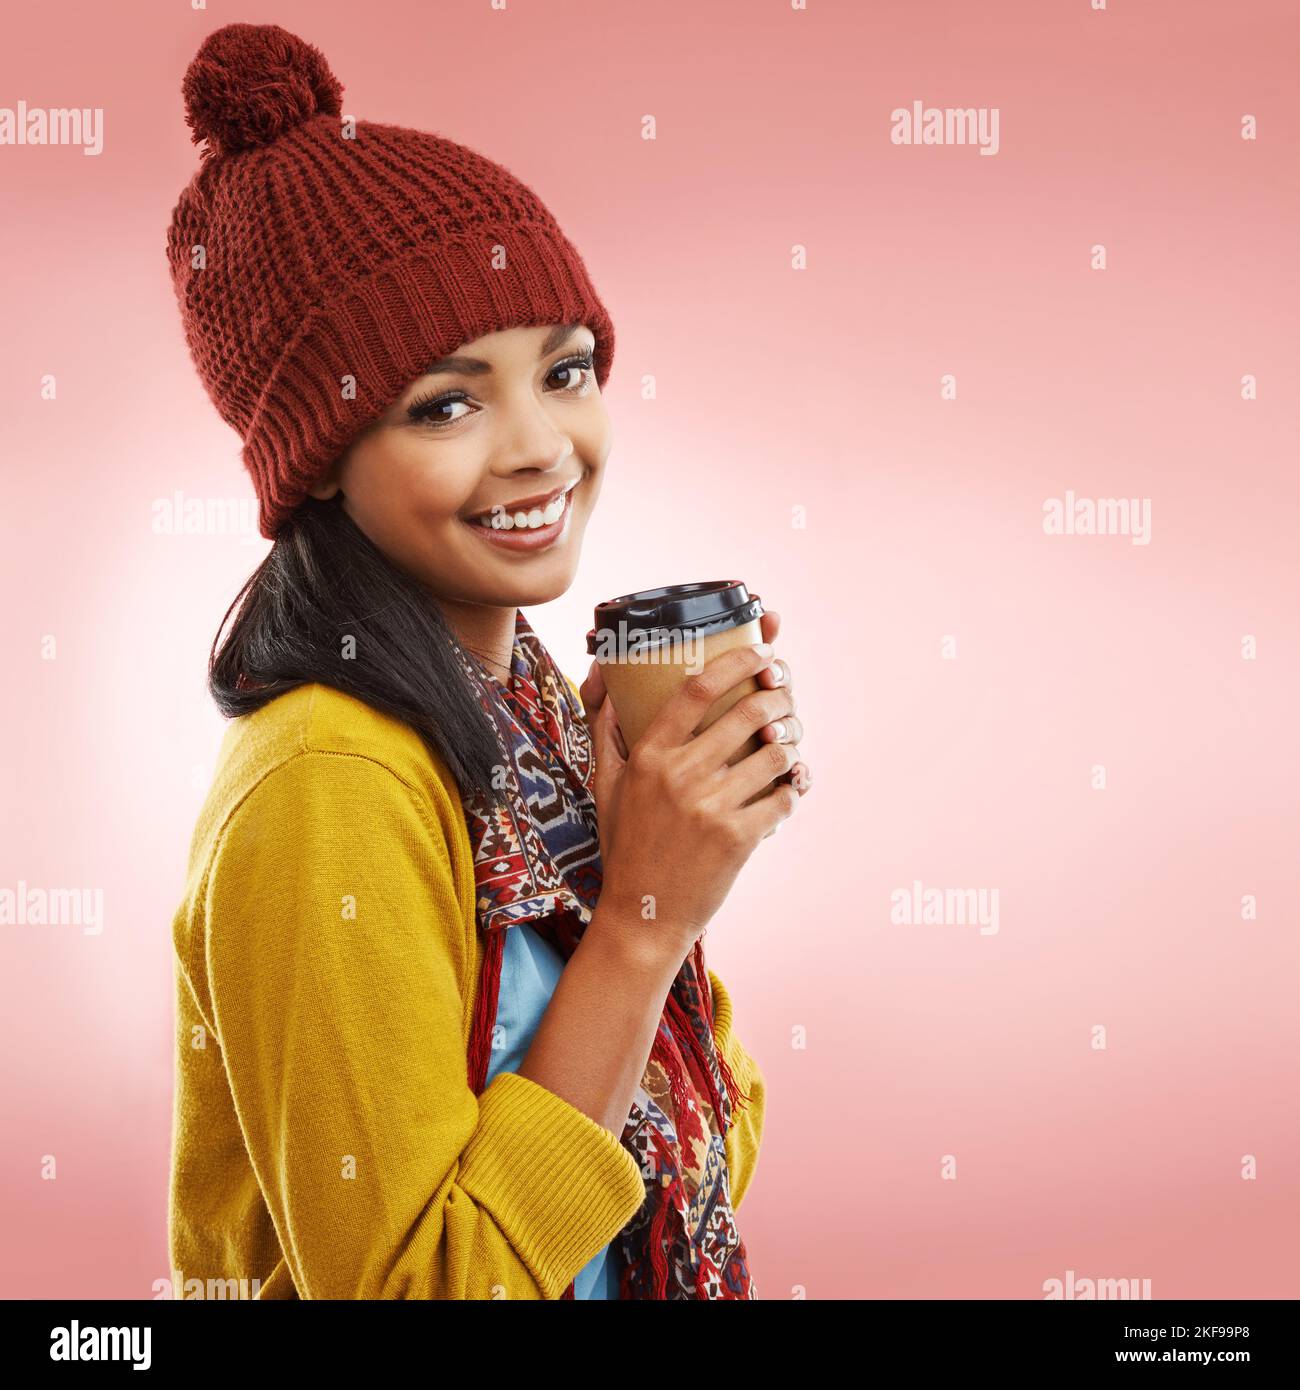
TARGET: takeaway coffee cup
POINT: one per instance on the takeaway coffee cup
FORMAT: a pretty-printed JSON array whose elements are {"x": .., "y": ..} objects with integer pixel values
[{"x": 649, "y": 642}]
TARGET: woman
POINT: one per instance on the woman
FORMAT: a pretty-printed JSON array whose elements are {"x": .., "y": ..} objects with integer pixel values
[{"x": 431, "y": 1043}]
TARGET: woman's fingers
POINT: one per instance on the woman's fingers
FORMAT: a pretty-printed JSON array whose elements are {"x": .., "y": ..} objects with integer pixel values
[
  {"x": 787, "y": 729},
  {"x": 592, "y": 690},
  {"x": 608, "y": 714},
  {"x": 675, "y": 723},
  {"x": 593, "y": 694},
  {"x": 728, "y": 734},
  {"x": 610, "y": 758},
  {"x": 770, "y": 625},
  {"x": 756, "y": 772},
  {"x": 762, "y": 817},
  {"x": 778, "y": 674}
]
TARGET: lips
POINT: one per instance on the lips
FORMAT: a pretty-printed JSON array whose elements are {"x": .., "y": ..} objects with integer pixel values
[
  {"x": 536, "y": 512},
  {"x": 546, "y": 529}
]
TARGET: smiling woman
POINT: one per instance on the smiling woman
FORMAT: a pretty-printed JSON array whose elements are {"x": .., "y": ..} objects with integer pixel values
[
  {"x": 504, "y": 442},
  {"x": 429, "y": 1044}
]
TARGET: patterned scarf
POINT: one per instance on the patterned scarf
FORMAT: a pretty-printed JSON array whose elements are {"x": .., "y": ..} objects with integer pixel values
[{"x": 537, "y": 860}]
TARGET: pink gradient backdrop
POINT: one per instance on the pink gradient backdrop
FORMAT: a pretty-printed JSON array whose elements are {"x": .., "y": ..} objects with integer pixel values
[{"x": 776, "y": 388}]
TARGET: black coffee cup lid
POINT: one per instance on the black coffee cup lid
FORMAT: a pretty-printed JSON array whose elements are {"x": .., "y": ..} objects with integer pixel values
[{"x": 656, "y": 615}]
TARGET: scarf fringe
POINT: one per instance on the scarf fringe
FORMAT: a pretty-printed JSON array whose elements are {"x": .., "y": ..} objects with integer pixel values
[
  {"x": 687, "y": 1036},
  {"x": 485, "y": 1010},
  {"x": 669, "y": 1058},
  {"x": 737, "y": 1097},
  {"x": 659, "y": 1229}
]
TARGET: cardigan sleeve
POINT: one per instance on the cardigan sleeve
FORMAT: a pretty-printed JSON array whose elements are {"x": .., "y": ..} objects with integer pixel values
[
  {"x": 745, "y": 1137},
  {"x": 333, "y": 931}
]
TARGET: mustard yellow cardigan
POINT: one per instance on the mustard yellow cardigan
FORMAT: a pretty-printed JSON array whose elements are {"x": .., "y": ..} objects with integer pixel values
[{"x": 325, "y": 1141}]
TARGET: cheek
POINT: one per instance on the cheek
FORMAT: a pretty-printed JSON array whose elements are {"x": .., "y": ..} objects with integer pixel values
[
  {"x": 592, "y": 489},
  {"x": 402, "y": 487}
]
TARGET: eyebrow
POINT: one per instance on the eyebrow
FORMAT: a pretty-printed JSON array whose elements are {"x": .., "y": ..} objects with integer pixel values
[{"x": 475, "y": 366}]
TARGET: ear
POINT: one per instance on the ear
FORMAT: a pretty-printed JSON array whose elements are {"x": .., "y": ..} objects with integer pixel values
[{"x": 327, "y": 484}]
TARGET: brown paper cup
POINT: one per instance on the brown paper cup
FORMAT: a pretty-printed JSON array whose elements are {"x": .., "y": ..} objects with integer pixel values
[
  {"x": 649, "y": 642},
  {"x": 639, "y": 690}
]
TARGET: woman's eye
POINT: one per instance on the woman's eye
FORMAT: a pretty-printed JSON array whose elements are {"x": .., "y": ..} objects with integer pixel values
[
  {"x": 436, "y": 412},
  {"x": 575, "y": 370},
  {"x": 432, "y": 412}
]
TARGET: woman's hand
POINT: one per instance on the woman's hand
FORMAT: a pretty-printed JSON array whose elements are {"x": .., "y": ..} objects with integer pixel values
[
  {"x": 787, "y": 730},
  {"x": 790, "y": 729},
  {"x": 675, "y": 828}
]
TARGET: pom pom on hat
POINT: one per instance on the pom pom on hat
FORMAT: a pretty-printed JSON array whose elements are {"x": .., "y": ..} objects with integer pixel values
[{"x": 249, "y": 83}]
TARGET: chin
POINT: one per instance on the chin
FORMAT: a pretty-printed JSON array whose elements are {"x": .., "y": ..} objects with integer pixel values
[
  {"x": 524, "y": 580},
  {"x": 528, "y": 590}
]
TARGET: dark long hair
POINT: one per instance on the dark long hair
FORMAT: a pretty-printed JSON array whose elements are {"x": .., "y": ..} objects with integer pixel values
[{"x": 325, "y": 582}]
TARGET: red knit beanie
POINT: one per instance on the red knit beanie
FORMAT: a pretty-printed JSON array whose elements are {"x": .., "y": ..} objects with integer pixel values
[{"x": 322, "y": 263}]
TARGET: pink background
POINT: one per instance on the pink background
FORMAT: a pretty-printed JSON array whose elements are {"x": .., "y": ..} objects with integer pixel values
[{"x": 776, "y": 388}]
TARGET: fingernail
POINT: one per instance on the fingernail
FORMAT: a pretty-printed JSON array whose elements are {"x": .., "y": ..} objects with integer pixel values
[
  {"x": 778, "y": 730},
  {"x": 764, "y": 649},
  {"x": 778, "y": 672}
]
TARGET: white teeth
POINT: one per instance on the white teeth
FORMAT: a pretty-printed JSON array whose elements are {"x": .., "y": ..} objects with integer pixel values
[{"x": 530, "y": 520}]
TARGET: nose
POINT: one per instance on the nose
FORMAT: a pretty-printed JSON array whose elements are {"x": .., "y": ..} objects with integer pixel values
[{"x": 531, "y": 446}]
